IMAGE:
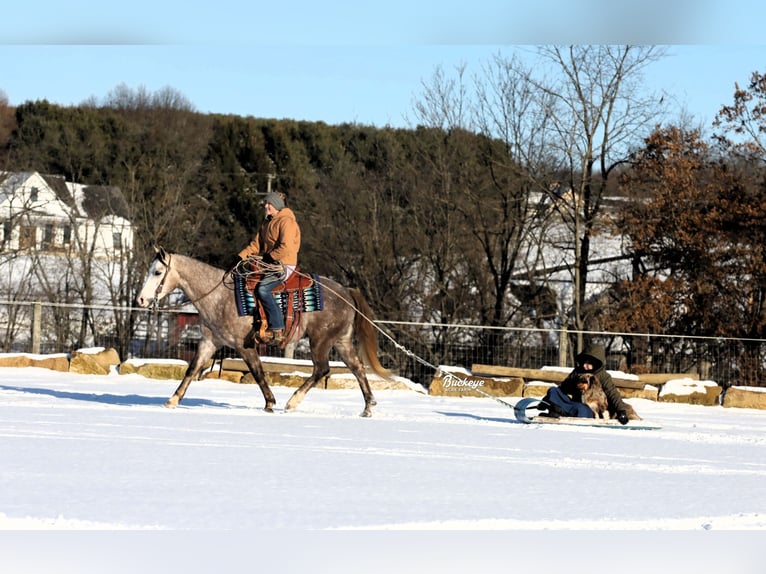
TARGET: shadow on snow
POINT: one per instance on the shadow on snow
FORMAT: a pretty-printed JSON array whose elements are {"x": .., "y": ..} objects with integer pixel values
[
  {"x": 478, "y": 418},
  {"x": 110, "y": 399}
]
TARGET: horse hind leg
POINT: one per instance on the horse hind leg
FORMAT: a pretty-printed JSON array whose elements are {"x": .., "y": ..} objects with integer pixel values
[
  {"x": 205, "y": 351},
  {"x": 347, "y": 353}
]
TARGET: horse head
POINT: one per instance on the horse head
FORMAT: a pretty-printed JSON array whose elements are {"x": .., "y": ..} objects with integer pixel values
[{"x": 156, "y": 285}]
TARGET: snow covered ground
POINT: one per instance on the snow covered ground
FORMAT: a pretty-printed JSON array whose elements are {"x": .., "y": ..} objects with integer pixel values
[{"x": 94, "y": 453}]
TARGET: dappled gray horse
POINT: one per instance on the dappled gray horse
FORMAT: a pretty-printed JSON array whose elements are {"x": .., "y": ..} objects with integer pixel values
[{"x": 345, "y": 314}]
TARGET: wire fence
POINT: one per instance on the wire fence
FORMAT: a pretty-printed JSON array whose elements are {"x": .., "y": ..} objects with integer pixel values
[{"x": 412, "y": 350}]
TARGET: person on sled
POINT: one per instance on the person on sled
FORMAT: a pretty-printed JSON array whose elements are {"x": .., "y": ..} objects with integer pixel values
[
  {"x": 278, "y": 242},
  {"x": 558, "y": 400}
]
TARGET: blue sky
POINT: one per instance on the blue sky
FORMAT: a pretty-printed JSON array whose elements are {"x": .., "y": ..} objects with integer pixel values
[{"x": 347, "y": 62}]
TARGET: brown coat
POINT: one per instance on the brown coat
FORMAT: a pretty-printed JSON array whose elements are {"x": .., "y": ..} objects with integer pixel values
[{"x": 279, "y": 236}]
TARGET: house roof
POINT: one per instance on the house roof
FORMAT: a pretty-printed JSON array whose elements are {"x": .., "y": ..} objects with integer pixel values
[
  {"x": 9, "y": 181},
  {"x": 57, "y": 183},
  {"x": 101, "y": 200},
  {"x": 92, "y": 201}
]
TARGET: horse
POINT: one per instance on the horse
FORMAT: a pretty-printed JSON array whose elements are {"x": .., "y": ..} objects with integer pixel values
[{"x": 345, "y": 313}]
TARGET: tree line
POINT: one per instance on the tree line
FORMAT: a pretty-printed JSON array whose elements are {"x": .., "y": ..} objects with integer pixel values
[{"x": 503, "y": 185}]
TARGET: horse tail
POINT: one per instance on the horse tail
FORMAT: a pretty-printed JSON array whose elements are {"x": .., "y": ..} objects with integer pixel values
[{"x": 365, "y": 331}]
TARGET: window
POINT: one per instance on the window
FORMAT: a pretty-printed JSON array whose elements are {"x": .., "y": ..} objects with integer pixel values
[
  {"x": 67, "y": 234},
  {"x": 28, "y": 237},
  {"x": 7, "y": 230},
  {"x": 34, "y": 194},
  {"x": 49, "y": 234},
  {"x": 117, "y": 240}
]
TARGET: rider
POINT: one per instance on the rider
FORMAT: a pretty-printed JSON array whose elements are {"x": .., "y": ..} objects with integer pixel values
[
  {"x": 558, "y": 400},
  {"x": 277, "y": 243}
]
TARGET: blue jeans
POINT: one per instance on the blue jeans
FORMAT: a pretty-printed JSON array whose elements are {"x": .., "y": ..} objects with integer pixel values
[
  {"x": 273, "y": 313},
  {"x": 556, "y": 396}
]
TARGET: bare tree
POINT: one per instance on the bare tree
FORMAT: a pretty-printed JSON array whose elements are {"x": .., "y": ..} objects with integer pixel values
[
  {"x": 597, "y": 111},
  {"x": 485, "y": 138}
]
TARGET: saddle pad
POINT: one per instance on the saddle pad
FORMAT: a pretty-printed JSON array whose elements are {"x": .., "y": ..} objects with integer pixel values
[{"x": 306, "y": 298}]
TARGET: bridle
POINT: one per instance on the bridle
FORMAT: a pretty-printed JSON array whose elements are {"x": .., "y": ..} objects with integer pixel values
[
  {"x": 165, "y": 260},
  {"x": 156, "y": 300}
]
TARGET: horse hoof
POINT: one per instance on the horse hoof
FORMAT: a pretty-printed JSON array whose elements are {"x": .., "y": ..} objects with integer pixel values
[
  {"x": 366, "y": 413},
  {"x": 170, "y": 404},
  {"x": 268, "y": 409},
  {"x": 290, "y": 406}
]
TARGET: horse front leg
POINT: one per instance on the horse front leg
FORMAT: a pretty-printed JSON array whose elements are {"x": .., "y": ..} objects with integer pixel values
[{"x": 205, "y": 351}]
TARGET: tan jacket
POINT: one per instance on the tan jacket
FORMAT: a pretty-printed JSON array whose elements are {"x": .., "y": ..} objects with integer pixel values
[{"x": 279, "y": 236}]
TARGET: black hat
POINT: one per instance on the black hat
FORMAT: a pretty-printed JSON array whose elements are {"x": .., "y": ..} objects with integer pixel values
[{"x": 594, "y": 355}]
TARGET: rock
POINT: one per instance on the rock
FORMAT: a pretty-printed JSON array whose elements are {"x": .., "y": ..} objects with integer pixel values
[
  {"x": 96, "y": 361},
  {"x": 58, "y": 362},
  {"x": 167, "y": 369},
  {"x": 537, "y": 388},
  {"x": 649, "y": 392},
  {"x": 52, "y": 362},
  {"x": 690, "y": 391},
  {"x": 15, "y": 360},
  {"x": 456, "y": 382},
  {"x": 86, "y": 364},
  {"x": 745, "y": 397},
  {"x": 295, "y": 379},
  {"x": 231, "y": 376},
  {"x": 376, "y": 383}
]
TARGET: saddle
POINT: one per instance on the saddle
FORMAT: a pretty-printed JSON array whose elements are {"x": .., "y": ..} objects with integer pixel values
[{"x": 300, "y": 293}]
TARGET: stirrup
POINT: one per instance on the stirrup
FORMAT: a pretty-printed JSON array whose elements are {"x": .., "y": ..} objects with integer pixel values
[{"x": 274, "y": 336}]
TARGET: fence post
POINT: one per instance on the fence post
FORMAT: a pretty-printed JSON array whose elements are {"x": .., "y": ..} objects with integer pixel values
[
  {"x": 36, "y": 322},
  {"x": 563, "y": 346}
]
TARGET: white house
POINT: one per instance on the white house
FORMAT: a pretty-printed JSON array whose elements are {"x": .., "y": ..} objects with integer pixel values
[{"x": 46, "y": 214}]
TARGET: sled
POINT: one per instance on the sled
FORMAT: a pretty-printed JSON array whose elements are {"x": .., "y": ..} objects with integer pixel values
[{"x": 520, "y": 411}]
